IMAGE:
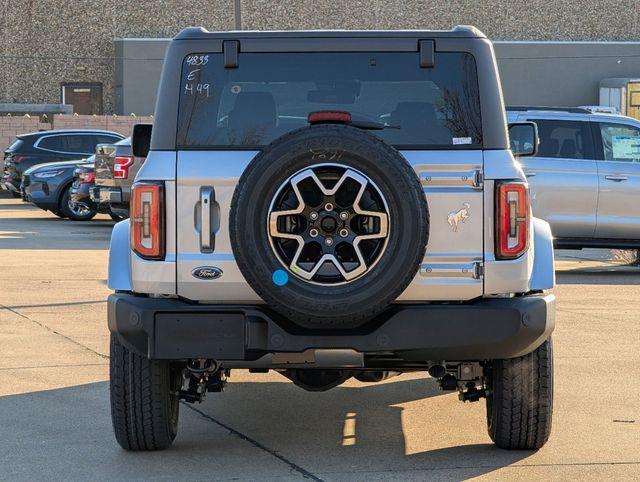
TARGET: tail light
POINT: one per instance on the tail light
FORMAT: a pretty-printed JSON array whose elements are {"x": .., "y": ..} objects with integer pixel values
[
  {"x": 512, "y": 220},
  {"x": 121, "y": 166},
  {"x": 17, "y": 159},
  {"x": 87, "y": 177},
  {"x": 147, "y": 219}
]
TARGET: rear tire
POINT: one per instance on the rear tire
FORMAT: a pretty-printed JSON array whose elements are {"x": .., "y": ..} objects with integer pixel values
[
  {"x": 59, "y": 213},
  {"x": 144, "y": 401},
  {"x": 520, "y": 400},
  {"x": 71, "y": 213}
]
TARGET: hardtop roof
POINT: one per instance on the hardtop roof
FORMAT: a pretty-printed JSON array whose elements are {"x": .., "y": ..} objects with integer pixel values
[{"x": 200, "y": 33}]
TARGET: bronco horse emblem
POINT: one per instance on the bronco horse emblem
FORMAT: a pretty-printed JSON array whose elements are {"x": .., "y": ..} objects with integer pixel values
[{"x": 459, "y": 216}]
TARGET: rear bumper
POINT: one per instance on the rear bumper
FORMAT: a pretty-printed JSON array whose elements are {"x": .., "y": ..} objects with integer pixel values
[
  {"x": 106, "y": 195},
  {"x": 105, "y": 198},
  {"x": 235, "y": 334}
]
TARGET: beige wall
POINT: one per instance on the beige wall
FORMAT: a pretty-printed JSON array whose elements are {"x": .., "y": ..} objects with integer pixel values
[
  {"x": 11, "y": 126},
  {"x": 46, "y": 42}
]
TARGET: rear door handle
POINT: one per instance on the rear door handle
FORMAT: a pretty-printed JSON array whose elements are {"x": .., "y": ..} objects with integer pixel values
[
  {"x": 529, "y": 173},
  {"x": 616, "y": 178},
  {"x": 206, "y": 239}
]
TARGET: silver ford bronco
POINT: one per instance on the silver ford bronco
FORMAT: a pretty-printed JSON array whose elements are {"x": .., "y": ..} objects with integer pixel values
[{"x": 331, "y": 204}]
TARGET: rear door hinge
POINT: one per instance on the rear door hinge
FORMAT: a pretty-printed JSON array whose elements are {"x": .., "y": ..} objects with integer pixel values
[{"x": 231, "y": 50}]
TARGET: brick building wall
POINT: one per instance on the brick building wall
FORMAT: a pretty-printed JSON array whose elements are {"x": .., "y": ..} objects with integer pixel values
[{"x": 46, "y": 42}]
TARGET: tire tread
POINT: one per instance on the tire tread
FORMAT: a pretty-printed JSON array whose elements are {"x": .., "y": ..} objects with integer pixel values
[
  {"x": 519, "y": 411},
  {"x": 140, "y": 406}
]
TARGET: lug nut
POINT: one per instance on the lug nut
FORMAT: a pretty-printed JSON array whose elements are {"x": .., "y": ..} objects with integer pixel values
[
  {"x": 344, "y": 215},
  {"x": 313, "y": 232},
  {"x": 344, "y": 232},
  {"x": 313, "y": 215},
  {"x": 328, "y": 207},
  {"x": 328, "y": 241}
]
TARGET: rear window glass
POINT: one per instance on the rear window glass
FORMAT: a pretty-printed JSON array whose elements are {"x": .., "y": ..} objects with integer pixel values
[
  {"x": 272, "y": 94},
  {"x": 16, "y": 145},
  {"x": 102, "y": 139}
]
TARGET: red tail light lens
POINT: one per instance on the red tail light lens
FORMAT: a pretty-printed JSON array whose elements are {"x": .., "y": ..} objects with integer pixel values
[
  {"x": 147, "y": 220},
  {"x": 121, "y": 166},
  {"x": 87, "y": 177},
  {"x": 512, "y": 220},
  {"x": 17, "y": 159}
]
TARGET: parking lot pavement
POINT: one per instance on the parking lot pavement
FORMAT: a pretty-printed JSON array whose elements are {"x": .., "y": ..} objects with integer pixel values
[{"x": 54, "y": 406}]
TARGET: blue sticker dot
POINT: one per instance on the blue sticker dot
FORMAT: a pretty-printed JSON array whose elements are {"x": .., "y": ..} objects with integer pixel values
[{"x": 280, "y": 277}]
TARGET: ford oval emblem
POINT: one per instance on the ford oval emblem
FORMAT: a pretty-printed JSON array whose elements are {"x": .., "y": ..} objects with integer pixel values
[{"x": 206, "y": 272}]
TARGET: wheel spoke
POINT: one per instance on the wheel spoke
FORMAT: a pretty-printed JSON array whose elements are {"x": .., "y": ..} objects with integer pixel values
[
  {"x": 312, "y": 272},
  {"x": 275, "y": 215},
  {"x": 312, "y": 216},
  {"x": 383, "y": 218}
]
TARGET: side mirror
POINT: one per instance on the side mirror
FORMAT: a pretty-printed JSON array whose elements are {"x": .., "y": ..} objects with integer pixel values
[
  {"x": 141, "y": 139},
  {"x": 523, "y": 139}
]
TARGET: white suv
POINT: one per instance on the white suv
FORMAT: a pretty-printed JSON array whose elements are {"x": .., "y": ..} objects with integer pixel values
[
  {"x": 585, "y": 179},
  {"x": 330, "y": 205}
]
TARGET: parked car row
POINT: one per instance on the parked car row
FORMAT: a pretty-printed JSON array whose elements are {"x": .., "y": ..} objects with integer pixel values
[
  {"x": 585, "y": 179},
  {"x": 56, "y": 171}
]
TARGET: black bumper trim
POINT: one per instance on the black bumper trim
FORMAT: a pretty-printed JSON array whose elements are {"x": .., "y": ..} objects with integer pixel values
[{"x": 496, "y": 328}]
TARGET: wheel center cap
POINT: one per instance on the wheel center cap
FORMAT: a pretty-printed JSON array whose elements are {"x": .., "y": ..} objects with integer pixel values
[{"x": 328, "y": 224}]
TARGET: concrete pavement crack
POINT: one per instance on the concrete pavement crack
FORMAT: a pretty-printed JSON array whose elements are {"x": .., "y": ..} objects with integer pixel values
[
  {"x": 305, "y": 473},
  {"x": 48, "y": 328}
]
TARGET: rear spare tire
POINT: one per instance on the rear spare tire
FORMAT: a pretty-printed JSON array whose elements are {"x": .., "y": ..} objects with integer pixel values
[{"x": 329, "y": 225}]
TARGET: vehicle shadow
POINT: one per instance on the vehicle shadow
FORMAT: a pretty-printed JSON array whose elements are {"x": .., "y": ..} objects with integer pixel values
[
  {"x": 600, "y": 275},
  {"x": 358, "y": 429},
  {"x": 12, "y": 206},
  {"x": 250, "y": 431},
  {"x": 54, "y": 233}
]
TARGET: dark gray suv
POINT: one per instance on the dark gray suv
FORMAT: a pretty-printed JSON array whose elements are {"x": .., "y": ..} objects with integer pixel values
[{"x": 49, "y": 146}]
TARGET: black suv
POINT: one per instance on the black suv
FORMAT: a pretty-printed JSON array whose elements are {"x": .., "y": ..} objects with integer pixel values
[{"x": 49, "y": 146}]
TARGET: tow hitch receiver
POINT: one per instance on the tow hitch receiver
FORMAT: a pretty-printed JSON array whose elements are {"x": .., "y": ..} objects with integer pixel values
[
  {"x": 468, "y": 378},
  {"x": 201, "y": 376}
]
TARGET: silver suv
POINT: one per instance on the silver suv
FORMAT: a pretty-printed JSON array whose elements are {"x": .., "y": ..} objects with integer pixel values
[
  {"x": 585, "y": 179},
  {"x": 330, "y": 205}
]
